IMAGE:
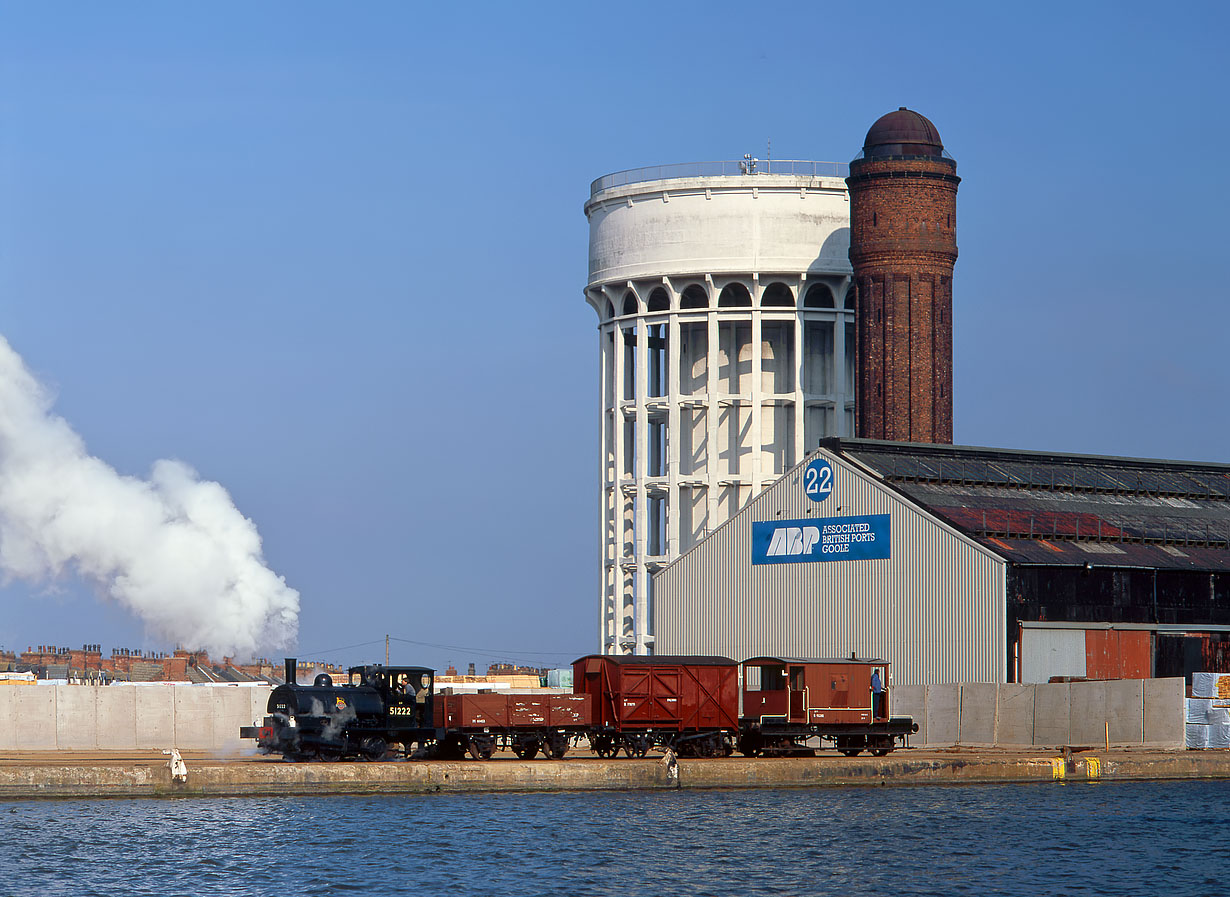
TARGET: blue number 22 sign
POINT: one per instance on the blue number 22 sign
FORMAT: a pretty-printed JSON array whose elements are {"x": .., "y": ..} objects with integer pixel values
[{"x": 818, "y": 480}]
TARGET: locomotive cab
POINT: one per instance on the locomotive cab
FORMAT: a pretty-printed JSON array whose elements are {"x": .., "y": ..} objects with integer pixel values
[{"x": 407, "y": 692}]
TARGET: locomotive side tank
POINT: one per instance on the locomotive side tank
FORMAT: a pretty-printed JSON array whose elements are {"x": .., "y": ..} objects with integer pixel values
[
  {"x": 687, "y": 704},
  {"x": 789, "y": 700}
]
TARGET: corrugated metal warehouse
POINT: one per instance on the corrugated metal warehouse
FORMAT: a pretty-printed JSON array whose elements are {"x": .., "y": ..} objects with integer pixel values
[{"x": 962, "y": 564}]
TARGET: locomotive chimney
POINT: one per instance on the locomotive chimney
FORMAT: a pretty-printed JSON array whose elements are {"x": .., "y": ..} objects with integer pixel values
[{"x": 291, "y": 665}]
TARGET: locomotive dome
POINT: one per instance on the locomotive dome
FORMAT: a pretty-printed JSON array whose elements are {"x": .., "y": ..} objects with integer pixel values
[{"x": 903, "y": 133}]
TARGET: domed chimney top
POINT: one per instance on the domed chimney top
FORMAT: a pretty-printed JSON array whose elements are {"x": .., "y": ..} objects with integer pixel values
[{"x": 903, "y": 133}]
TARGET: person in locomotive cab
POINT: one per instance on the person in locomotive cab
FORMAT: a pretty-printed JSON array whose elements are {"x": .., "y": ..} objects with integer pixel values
[
  {"x": 420, "y": 699},
  {"x": 877, "y": 695}
]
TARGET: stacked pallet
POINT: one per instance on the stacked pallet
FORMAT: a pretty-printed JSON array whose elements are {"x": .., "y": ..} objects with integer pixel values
[{"x": 1208, "y": 712}]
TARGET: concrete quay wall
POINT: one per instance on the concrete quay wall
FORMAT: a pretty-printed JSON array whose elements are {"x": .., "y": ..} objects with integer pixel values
[
  {"x": 126, "y": 717},
  {"x": 99, "y": 779},
  {"x": 1130, "y": 712},
  {"x": 1140, "y": 713}
]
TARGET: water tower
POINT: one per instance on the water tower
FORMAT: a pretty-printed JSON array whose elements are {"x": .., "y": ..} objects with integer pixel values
[{"x": 725, "y": 348}]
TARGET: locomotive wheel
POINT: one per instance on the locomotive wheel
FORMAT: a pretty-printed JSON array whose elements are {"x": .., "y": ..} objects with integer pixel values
[
  {"x": 604, "y": 746},
  {"x": 527, "y": 749},
  {"x": 374, "y": 748},
  {"x": 453, "y": 748},
  {"x": 482, "y": 747}
]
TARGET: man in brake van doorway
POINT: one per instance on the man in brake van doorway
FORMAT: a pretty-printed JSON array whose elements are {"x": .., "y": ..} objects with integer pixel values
[{"x": 877, "y": 695}]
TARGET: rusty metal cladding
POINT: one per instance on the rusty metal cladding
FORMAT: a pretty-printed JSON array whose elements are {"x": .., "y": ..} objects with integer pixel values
[
  {"x": 1118, "y": 654},
  {"x": 935, "y": 608},
  {"x": 1051, "y": 651}
]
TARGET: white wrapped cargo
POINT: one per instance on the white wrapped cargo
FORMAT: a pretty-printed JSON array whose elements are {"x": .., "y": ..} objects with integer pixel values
[
  {"x": 1197, "y": 736},
  {"x": 1219, "y": 736},
  {"x": 1211, "y": 685},
  {"x": 1198, "y": 710}
]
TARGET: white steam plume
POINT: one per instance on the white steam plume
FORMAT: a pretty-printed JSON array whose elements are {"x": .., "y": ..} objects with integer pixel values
[{"x": 173, "y": 549}]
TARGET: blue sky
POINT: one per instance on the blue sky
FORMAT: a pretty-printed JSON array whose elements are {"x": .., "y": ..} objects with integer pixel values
[{"x": 332, "y": 257}]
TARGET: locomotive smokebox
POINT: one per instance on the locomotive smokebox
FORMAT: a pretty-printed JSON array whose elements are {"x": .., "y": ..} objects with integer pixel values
[{"x": 292, "y": 664}]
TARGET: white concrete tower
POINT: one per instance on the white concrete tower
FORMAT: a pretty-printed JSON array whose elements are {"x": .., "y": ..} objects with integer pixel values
[{"x": 726, "y": 351}]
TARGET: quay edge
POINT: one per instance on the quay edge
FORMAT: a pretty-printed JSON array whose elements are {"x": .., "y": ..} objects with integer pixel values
[{"x": 103, "y": 779}]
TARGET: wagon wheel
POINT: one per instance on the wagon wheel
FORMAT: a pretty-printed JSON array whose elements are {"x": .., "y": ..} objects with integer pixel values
[
  {"x": 751, "y": 744},
  {"x": 604, "y": 746},
  {"x": 482, "y": 747},
  {"x": 526, "y": 748},
  {"x": 881, "y": 745},
  {"x": 374, "y": 748},
  {"x": 851, "y": 745},
  {"x": 555, "y": 746},
  {"x": 635, "y": 746},
  {"x": 728, "y": 746}
]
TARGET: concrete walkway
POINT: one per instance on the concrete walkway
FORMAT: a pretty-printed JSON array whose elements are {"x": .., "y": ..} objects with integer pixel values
[{"x": 147, "y": 775}]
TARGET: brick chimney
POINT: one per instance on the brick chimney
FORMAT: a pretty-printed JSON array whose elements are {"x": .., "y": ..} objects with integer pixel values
[{"x": 903, "y": 225}]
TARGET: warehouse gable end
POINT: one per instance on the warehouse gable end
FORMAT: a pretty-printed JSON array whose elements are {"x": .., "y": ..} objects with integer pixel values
[{"x": 895, "y": 581}]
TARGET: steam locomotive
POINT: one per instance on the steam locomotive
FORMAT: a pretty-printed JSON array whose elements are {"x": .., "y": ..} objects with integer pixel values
[{"x": 619, "y": 704}]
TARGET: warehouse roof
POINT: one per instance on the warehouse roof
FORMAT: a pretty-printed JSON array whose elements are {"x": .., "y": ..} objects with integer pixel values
[{"x": 1063, "y": 509}]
